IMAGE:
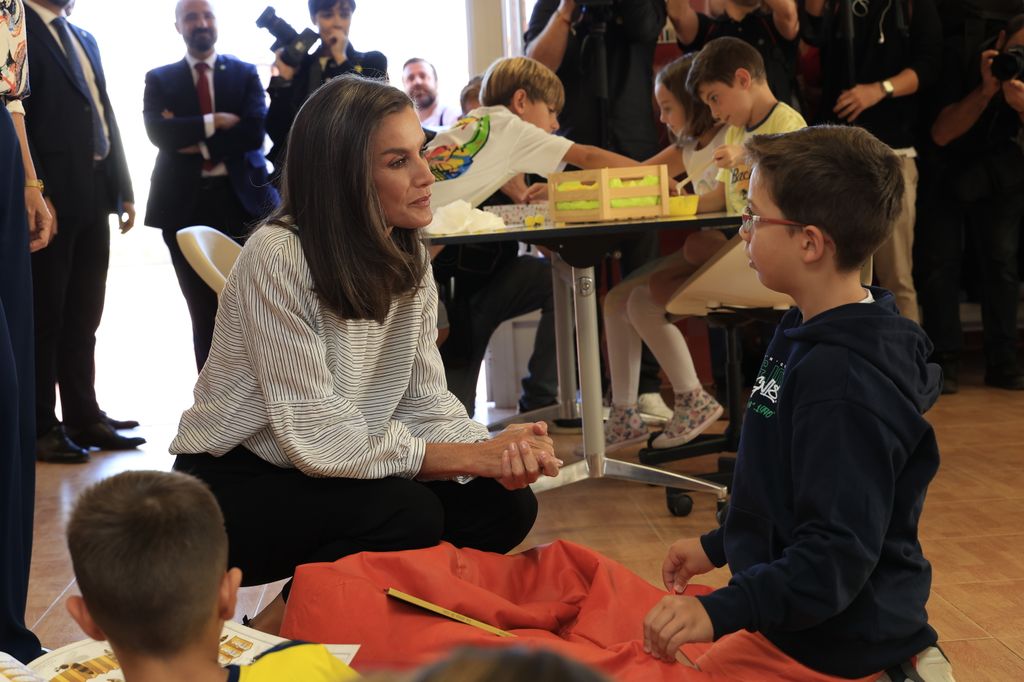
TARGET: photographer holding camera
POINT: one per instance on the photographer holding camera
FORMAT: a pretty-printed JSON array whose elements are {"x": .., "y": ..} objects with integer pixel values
[
  {"x": 984, "y": 176},
  {"x": 296, "y": 81}
]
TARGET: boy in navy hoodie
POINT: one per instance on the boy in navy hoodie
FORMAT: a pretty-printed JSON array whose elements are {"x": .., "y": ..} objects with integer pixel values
[{"x": 828, "y": 578}]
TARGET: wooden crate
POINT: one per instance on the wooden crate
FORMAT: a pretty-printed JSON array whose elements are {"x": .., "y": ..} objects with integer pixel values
[{"x": 598, "y": 188}]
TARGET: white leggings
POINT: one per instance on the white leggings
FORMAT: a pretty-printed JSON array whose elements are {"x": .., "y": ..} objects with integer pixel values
[{"x": 631, "y": 315}]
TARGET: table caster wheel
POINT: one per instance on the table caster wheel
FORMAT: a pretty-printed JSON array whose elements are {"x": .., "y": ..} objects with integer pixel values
[{"x": 679, "y": 503}]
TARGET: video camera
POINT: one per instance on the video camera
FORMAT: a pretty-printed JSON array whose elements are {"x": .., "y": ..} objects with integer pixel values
[
  {"x": 1008, "y": 64},
  {"x": 293, "y": 45}
]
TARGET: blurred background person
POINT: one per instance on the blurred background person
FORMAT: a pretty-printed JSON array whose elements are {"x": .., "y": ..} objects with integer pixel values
[
  {"x": 292, "y": 86},
  {"x": 20, "y": 189},
  {"x": 469, "y": 98},
  {"x": 419, "y": 78},
  {"x": 205, "y": 114},
  {"x": 78, "y": 153}
]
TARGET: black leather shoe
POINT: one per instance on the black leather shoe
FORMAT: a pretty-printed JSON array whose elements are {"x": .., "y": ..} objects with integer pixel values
[
  {"x": 101, "y": 435},
  {"x": 55, "y": 446},
  {"x": 118, "y": 424},
  {"x": 1011, "y": 382}
]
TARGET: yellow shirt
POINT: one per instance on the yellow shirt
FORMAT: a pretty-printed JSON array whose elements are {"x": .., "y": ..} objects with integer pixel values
[
  {"x": 293, "y": 662},
  {"x": 782, "y": 119}
]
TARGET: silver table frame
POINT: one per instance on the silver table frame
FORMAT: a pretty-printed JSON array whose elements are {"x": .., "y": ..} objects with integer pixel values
[{"x": 575, "y": 304}]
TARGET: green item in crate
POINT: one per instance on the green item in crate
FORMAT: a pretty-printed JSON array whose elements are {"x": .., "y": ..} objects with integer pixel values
[
  {"x": 579, "y": 205},
  {"x": 590, "y": 204},
  {"x": 573, "y": 185},
  {"x": 645, "y": 181}
]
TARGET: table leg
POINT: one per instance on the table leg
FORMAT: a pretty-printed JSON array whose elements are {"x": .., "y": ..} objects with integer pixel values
[
  {"x": 595, "y": 464},
  {"x": 592, "y": 409}
]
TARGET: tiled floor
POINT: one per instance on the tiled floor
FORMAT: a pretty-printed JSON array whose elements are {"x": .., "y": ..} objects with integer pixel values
[{"x": 972, "y": 531}]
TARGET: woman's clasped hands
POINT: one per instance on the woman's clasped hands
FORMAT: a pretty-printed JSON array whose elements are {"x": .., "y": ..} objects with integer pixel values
[{"x": 521, "y": 454}]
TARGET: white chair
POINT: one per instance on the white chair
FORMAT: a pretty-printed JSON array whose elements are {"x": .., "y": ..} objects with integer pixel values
[{"x": 211, "y": 254}]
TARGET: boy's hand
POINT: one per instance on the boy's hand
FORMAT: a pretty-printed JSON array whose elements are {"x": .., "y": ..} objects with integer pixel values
[
  {"x": 686, "y": 558},
  {"x": 673, "y": 622},
  {"x": 729, "y": 156},
  {"x": 537, "y": 192},
  {"x": 515, "y": 189}
]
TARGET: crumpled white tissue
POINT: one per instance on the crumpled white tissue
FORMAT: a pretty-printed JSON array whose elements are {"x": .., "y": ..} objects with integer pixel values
[{"x": 459, "y": 217}]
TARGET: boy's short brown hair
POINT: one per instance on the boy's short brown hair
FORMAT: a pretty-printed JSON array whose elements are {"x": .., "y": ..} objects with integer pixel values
[
  {"x": 509, "y": 74},
  {"x": 470, "y": 90},
  {"x": 698, "y": 115},
  {"x": 149, "y": 551},
  {"x": 841, "y": 179},
  {"x": 718, "y": 60}
]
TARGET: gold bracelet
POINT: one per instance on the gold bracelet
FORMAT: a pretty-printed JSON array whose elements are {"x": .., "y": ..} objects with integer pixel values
[{"x": 38, "y": 184}]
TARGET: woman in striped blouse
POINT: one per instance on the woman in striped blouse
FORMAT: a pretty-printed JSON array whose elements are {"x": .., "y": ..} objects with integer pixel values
[
  {"x": 25, "y": 224},
  {"x": 322, "y": 421}
]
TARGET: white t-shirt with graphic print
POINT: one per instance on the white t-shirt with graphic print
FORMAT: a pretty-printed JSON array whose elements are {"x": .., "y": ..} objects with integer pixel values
[{"x": 485, "y": 149}]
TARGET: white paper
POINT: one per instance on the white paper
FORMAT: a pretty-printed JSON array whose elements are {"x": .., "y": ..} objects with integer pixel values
[{"x": 239, "y": 645}]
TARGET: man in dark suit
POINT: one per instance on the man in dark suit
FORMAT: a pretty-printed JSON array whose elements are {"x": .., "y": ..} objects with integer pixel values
[
  {"x": 206, "y": 115},
  {"x": 78, "y": 153}
]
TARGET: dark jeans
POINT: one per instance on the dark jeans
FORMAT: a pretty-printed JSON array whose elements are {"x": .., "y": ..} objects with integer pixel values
[
  {"x": 519, "y": 287},
  {"x": 219, "y": 208},
  {"x": 938, "y": 255},
  {"x": 17, "y": 402},
  {"x": 69, "y": 279},
  {"x": 277, "y": 518},
  {"x": 996, "y": 225}
]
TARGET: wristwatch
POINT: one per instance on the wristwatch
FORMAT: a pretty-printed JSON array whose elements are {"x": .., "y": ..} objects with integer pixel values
[{"x": 888, "y": 88}]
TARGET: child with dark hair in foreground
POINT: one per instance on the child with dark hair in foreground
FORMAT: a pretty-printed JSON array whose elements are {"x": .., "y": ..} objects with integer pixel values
[
  {"x": 150, "y": 555},
  {"x": 828, "y": 578}
]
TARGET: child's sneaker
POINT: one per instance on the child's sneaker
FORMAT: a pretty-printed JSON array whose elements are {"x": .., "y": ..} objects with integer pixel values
[
  {"x": 624, "y": 427},
  {"x": 695, "y": 411},
  {"x": 653, "y": 409}
]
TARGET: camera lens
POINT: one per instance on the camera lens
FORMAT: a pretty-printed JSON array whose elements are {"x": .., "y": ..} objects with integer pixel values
[{"x": 1008, "y": 64}]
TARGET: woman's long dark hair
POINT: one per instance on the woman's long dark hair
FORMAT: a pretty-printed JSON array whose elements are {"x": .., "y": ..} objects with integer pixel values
[{"x": 329, "y": 199}]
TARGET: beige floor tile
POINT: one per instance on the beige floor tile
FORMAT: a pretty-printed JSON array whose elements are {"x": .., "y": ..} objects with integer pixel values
[
  {"x": 983, "y": 660},
  {"x": 998, "y": 607}
]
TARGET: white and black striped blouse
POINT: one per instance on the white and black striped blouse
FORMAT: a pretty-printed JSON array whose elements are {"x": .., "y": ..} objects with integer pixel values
[{"x": 302, "y": 387}]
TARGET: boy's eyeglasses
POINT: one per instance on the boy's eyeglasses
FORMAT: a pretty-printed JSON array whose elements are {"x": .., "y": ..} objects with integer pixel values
[{"x": 749, "y": 221}]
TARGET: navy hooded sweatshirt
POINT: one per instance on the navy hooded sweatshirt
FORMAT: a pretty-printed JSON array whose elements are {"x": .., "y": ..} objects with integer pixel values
[{"x": 834, "y": 461}]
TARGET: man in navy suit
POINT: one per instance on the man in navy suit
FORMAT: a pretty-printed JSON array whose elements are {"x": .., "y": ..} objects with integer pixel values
[
  {"x": 79, "y": 156},
  {"x": 206, "y": 115}
]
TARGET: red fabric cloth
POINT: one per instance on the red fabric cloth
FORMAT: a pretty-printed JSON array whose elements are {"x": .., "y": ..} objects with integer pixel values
[{"x": 561, "y": 596}]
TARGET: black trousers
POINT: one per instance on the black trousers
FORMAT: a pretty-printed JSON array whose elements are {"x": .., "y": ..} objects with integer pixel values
[
  {"x": 219, "y": 208},
  {"x": 279, "y": 518},
  {"x": 995, "y": 224},
  {"x": 69, "y": 278},
  {"x": 519, "y": 287},
  {"x": 17, "y": 409}
]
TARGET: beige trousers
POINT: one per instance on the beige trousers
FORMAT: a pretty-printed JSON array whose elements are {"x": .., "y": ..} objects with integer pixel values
[{"x": 894, "y": 261}]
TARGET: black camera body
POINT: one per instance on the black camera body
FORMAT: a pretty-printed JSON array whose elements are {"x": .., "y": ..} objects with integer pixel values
[
  {"x": 293, "y": 45},
  {"x": 1008, "y": 64}
]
